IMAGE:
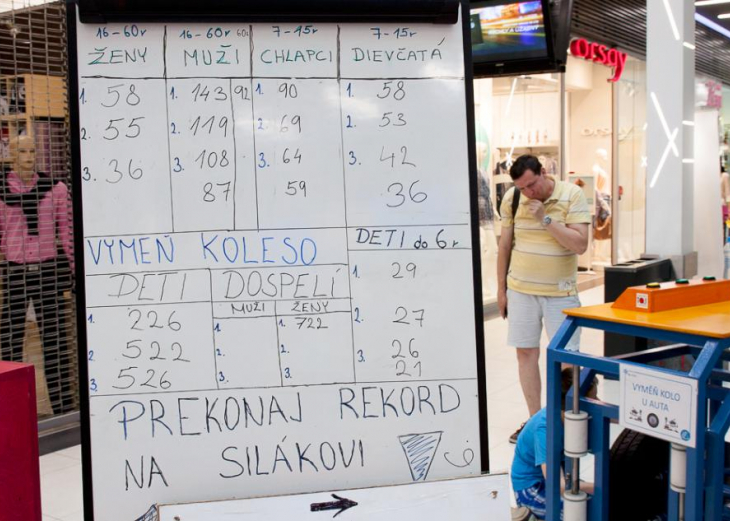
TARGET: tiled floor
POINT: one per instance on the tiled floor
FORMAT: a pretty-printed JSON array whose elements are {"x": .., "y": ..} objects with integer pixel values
[
  {"x": 505, "y": 405},
  {"x": 61, "y": 491},
  {"x": 61, "y": 471}
]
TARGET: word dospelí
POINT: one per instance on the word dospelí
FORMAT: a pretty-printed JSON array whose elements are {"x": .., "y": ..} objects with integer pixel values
[{"x": 278, "y": 284}]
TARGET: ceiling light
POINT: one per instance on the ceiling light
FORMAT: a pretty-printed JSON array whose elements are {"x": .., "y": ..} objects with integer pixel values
[
  {"x": 712, "y": 25},
  {"x": 701, "y": 3},
  {"x": 672, "y": 22},
  {"x": 511, "y": 96},
  {"x": 723, "y": 16},
  {"x": 663, "y": 120},
  {"x": 663, "y": 159}
]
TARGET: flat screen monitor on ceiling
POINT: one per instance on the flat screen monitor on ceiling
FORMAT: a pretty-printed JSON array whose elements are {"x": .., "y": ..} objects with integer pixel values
[{"x": 511, "y": 37}]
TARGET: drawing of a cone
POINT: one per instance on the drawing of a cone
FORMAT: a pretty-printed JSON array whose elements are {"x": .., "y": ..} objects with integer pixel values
[{"x": 420, "y": 450}]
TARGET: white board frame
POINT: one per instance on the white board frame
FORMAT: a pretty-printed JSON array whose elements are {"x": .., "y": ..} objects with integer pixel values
[
  {"x": 82, "y": 336},
  {"x": 478, "y": 498}
]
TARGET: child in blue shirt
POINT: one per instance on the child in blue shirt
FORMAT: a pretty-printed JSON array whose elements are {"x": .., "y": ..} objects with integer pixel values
[{"x": 529, "y": 466}]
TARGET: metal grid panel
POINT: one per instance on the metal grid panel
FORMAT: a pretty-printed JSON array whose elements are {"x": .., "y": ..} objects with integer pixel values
[
  {"x": 623, "y": 23},
  {"x": 37, "y": 312},
  {"x": 713, "y": 53},
  {"x": 619, "y": 22}
]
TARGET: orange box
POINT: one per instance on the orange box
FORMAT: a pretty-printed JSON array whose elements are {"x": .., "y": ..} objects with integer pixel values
[{"x": 671, "y": 295}]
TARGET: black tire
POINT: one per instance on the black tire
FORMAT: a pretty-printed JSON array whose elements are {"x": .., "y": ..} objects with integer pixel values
[{"x": 638, "y": 477}]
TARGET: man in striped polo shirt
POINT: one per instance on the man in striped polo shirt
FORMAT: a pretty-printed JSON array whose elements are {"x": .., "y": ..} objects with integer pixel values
[{"x": 537, "y": 267}]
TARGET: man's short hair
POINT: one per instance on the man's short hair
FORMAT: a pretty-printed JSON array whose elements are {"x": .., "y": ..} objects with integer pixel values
[
  {"x": 566, "y": 383},
  {"x": 523, "y": 163}
]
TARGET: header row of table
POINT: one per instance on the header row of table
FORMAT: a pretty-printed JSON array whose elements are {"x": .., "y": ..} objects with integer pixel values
[{"x": 263, "y": 50}]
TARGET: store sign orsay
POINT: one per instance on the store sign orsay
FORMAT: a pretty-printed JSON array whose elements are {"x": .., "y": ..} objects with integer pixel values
[{"x": 582, "y": 48}]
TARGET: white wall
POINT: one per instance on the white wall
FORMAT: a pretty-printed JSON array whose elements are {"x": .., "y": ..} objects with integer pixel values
[
  {"x": 483, "y": 117},
  {"x": 527, "y": 113},
  {"x": 578, "y": 74},
  {"x": 707, "y": 201},
  {"x": 670, "y": 81},
  {"x": 590, "y": 113},
  {"x": 632, "y": 161}
]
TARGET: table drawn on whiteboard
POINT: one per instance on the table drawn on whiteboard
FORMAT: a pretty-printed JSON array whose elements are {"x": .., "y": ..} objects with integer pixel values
[
  {"x": 271, "y": 252},
  {"x": 420, "y": 450},
  {"x": 341, "y": 504}
]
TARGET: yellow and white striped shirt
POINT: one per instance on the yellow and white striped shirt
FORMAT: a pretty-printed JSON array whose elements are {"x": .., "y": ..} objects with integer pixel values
[{"x": 540, "y": 265}]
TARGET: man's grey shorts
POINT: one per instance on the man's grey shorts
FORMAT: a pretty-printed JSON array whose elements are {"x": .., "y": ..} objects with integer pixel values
[{"x": 526, "y": 313}]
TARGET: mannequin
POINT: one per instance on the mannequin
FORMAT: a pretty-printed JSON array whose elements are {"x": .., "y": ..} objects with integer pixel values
[
  {"x": 602, "y": 222},
  {"x": 35, "y": 241},
  {"x": 501, "y": 169},
  {"x": 602, "y": 184},
  {"x": 487, "y": 237},
  {"x": 725, "y": 194}
]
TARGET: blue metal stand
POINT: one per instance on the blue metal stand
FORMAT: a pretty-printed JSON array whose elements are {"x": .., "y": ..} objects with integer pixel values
[{"x": 706, "y": 492}]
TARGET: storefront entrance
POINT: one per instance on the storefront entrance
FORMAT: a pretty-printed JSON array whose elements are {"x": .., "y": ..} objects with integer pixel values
[{"x": 584, "y": 129}]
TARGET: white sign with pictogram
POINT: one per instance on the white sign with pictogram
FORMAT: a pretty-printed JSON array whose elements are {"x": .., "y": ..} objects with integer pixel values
[{"x": 659, "y": 404}]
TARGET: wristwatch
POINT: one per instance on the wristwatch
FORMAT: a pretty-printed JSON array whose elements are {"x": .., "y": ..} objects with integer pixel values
[{"x": 546, "y": 220}]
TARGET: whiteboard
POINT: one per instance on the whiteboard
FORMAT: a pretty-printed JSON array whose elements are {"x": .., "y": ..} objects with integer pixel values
[
  {"x": 483, "y": 498},
  {"x": 277, "y": 249}
]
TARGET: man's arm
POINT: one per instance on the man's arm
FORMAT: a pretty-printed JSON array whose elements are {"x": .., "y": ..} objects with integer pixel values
[
  {"x": 585, "y": 486},
  {"x": 503, "y": 258},
  {"x": 571, "y": 236},
  {"x": 562, "y": 478},
  {"x": 63, "y": 221}
]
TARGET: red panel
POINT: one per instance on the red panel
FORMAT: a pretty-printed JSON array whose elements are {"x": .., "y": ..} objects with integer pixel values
[{"x": 20, "y": 484}]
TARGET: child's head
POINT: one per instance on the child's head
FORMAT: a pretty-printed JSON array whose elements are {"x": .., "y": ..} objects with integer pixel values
[{"x": 566, "y": 383}]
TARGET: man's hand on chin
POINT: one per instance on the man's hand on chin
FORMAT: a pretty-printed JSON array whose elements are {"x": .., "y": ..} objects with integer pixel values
[{"x": 536, "y": 209}]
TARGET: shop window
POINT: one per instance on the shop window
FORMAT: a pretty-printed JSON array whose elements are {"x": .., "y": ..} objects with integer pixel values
[
  {"x": 37, "y": 309},
  {"x": 514, "y": 116},
  {"x": 631, "y": 193},
  {"x": 590, "y": 133}
]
